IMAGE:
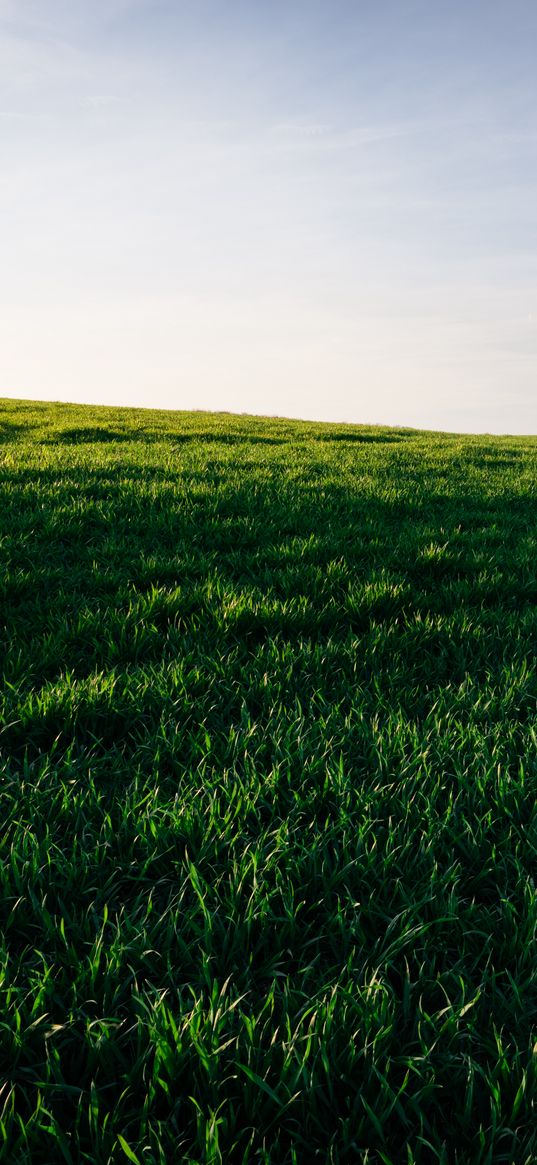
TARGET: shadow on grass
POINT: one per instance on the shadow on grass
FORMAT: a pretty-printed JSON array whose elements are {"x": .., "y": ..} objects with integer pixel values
[
  {"x": 360, "y": 438},
  {"x": 88, "y": 436},
  {"x": 95, "y": 435},
  {"x": 224, "y": 439},
  {"x": 495, "y": 461},
  {"x": 9, "y": 432}
]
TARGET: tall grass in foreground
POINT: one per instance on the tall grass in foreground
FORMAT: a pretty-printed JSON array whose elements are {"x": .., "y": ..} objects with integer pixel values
[{"x": 268, "y": 792}]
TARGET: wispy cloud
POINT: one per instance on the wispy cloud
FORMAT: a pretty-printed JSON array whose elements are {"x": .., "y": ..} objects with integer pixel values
[
  {"x": 330, "y": 136},
  {"x": 101, "y": 102},
  {"x": 313, "y": 129}
]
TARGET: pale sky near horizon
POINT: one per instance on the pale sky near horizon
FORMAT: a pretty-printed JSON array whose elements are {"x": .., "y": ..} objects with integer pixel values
[{"x": 310, "y": 208}]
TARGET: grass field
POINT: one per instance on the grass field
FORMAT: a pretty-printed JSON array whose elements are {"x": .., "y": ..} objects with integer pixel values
[{"x": 268, "y": 792}]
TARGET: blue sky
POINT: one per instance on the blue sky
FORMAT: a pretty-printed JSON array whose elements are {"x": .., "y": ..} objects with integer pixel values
[{"x": 324, "y": 209}]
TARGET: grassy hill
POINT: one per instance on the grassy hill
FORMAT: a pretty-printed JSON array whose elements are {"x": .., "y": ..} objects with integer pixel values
[{"x": 268, "y": 791}]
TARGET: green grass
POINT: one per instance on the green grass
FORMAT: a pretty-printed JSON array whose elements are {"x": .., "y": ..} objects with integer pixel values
[{"x": 268, "y": 792}]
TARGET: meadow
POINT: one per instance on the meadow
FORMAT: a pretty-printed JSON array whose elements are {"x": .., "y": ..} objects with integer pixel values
[{"x": 268, "y": 790}]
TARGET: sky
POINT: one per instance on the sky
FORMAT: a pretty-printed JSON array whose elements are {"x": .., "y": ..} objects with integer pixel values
[{"x": 311, "y": 208}]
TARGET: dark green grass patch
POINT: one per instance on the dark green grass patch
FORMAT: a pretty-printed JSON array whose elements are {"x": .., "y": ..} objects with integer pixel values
[{"x": 268, "y": 787}]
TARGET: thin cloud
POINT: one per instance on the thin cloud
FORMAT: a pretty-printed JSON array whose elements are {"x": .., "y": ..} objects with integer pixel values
[
  {"x": 17, "y": 115},
  {"x": 101, "y": 102},
  {"x": 331, "y": 137},
  {"x": 313, "y": 129}
]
